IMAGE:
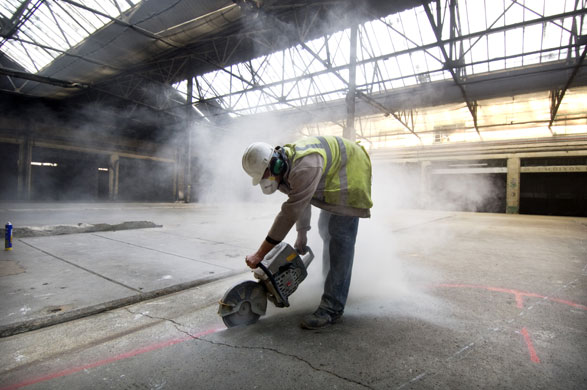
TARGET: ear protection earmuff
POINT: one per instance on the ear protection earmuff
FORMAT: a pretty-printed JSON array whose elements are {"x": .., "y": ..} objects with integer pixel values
[{"x": 277, "y": 165}]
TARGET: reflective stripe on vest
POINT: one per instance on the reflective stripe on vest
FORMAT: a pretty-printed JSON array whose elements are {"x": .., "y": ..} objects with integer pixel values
[{"x": 342, "y": 178}]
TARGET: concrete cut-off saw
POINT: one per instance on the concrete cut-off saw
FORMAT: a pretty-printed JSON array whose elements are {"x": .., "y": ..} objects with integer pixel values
[{"x": 278, "y": 275}]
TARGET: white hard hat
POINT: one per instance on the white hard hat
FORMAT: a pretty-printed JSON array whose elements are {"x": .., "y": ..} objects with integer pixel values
[{"x": 256, "y": 160}]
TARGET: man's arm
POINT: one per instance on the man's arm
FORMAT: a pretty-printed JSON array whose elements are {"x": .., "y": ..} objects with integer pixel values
[
  {"x": 302, "y": 227},
  {"x": 303, "y": 180}
]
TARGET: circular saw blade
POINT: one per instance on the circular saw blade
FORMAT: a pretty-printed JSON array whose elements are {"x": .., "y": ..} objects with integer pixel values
[{"x": 243, "y": 304}]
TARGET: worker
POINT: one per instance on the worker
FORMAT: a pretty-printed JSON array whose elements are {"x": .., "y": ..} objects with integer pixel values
[{"x": 333, "y": 174}]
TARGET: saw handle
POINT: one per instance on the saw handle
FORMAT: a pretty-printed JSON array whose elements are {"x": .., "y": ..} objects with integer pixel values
[
  {"x": 274, "y": 283},
  {"x": 307, "y": 255}
]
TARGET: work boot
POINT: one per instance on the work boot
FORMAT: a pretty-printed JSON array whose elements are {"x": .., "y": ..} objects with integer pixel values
[{"x": 319, "y": 319}]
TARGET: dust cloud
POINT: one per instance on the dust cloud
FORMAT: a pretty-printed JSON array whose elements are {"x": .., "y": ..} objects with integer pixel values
[
  {"x": 384, "y": 280},
  {"x": 388, "y": 280},
  {"x": 389, "y": 277}
]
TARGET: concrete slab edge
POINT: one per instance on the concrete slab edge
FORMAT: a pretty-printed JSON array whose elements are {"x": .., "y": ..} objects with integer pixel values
[
  {"x": 55, "y": 230},
  {"x": 54, "y": 319}
]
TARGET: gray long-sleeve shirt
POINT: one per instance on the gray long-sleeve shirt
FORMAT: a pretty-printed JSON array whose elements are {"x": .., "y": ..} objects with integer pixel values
[{"x": 300, "y": 184}]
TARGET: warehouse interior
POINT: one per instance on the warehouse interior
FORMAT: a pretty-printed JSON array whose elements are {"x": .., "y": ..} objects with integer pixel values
[
  {"x": 118, "y": 110},
  {"x": 95, "y": 95}
]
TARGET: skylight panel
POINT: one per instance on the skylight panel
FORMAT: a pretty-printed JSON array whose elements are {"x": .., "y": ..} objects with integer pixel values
[
  {"x": 107, "y": 7},
  {"x": 517, "y": 14},
  {"x": 389, "y": 53},
  {"x": 8, "y": 8},
  {"x": 557, "y": 7},
  {"x": 373, "y": 29},
  {"x": 205, "y": 83},
  {"x": 44, "y": 30},
  {"x": 91, "y": 20},
  {"x": 272, "y": 69},
  {"x": 473, "y": 16},
  {"x": 365, "y": 73},
  {"x": 337, "y": 43},
  {"x": 532, "y": 38},
  {"x": 316, "y": 45},
  {"x": 427, "y": 35},
  {"x": 285, "y": 61},
  {"x": 182, "y": 88},
  {"x": 420, "y": 58},
  {"x": 514, "y": 42},
  {"x": 494, "y": 13},
  {"x": 55, "y": 24},
  {"x": 20, "y": 51},
  {"x": 329, "y": 83},
  {"x": 70, "y": 26},
  {"x": 411, "y": 28}
]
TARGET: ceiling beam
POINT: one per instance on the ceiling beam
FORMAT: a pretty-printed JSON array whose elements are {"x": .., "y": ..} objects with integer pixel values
[
  {"x": 42, "y": 79},
  {"x": 9, "y": 27},
  {"x": 133, "y": 27},
  {"x": 558, "y": 95},
  {"x": 369, "y": 100},
  {"x": 449, "y": 62},
  {"x": 198, "y": 46}
]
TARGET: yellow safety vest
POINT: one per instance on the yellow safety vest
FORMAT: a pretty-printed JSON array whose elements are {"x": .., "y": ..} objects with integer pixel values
[{"x": 347, "y": 177}]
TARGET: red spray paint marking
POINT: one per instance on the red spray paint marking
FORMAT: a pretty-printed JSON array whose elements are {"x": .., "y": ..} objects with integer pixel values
[
  {"x": 126, "y": 355},
  {"x": 518, "y": 294},
  {"x": 519, "y": 301},
  {"x": 531, "y": 350}
]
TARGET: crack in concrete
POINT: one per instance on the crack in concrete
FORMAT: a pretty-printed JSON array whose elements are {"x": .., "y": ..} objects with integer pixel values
[
  {"x": 160, "y": 251},
  {"x": 178, "y": 325},
  {"x": 80, "y": 267},
  {"x": 274, "y": 350},
  {"x": 158, "y": 318}
]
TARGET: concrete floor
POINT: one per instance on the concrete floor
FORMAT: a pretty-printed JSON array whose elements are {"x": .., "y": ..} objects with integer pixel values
[{"x": 438, "y": 300}]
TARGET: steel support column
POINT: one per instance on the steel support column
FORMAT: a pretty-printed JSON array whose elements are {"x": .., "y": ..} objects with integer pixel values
[
  {"x": 113, "y": 170},
  {"x": 425, "y": 189},
  {"x": 513, "y": 186},
  {"x": 29, "y": 169},
  {"x": 349, "y": 130},
  {"x": 24, "y": 180},
  {"x": 188, "y": 169}
]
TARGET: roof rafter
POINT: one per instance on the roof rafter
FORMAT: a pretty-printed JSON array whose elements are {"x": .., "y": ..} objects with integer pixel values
[
  {"x": 451, "y": 58},
  {"x": 133, "y": 27},
  {"x": 558, "y": 95}
]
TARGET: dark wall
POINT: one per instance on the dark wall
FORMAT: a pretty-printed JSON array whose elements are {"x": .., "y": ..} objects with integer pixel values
[
  {"x": 561, "y": 193},
  {"x": 8, "y": 171},
  {"x": 145, "y": 180},
  {"x": 75, "y": 178}
]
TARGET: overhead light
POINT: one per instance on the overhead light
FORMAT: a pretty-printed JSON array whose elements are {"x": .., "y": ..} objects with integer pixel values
[
  {"x": 44, "y": 164},
  {"x": 465, "y": 165}
]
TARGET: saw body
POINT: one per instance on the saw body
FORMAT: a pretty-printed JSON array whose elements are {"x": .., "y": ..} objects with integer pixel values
[{"x": 279, "y": 275}]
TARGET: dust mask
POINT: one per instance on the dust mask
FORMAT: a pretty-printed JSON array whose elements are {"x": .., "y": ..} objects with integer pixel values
[{"x": 269, "y": 185}]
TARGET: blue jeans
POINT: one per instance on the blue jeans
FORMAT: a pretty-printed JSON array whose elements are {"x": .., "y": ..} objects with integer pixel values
[{"x": 339, "y": 234}]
